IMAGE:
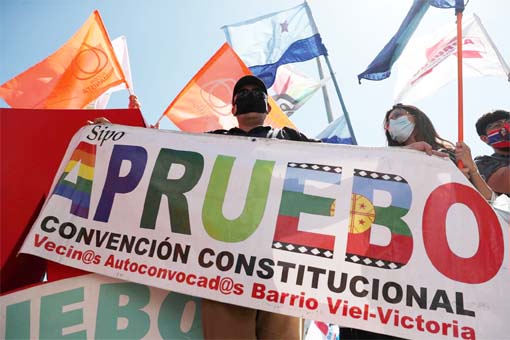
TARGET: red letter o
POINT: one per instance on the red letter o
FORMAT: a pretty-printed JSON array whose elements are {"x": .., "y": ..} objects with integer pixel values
[{"x": 483, "y": 265}]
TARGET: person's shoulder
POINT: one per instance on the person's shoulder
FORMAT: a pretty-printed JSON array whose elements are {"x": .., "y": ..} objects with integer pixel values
[
  {"x": 485, "y": 159},
  {"x": 220, "y": 132},
  {"x": 502, "y": 158},
  {"x": 293, "y": 134},
  {"x": 487, "y": 165}
]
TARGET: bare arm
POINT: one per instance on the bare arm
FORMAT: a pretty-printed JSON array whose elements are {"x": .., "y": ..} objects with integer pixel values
[{"x": 470, "y": 170}]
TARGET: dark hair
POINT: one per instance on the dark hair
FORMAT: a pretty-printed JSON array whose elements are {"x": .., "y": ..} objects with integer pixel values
[
  {"x": 424, "y": 130},
  {"x": 488, "y": 118}
]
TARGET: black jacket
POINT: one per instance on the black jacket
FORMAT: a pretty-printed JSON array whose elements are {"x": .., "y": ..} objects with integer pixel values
[{"x": 267, "y": 132}]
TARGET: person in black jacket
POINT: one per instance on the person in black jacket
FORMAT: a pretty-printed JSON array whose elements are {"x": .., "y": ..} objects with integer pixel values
[
  {"x": 225, "y": 321},
  {"x": 250, "y": 106},
  {"x": 494, "y": 129}
]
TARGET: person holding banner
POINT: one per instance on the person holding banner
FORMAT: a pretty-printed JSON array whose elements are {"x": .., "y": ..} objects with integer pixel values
[
  {"x": 494, "y": 130},
  {"x": 250, "y": 107},
  {"x": 406, "y": 125},
  {"x": 225, "y": 321}
]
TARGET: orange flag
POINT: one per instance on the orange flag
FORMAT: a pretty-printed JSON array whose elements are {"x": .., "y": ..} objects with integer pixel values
[
  {"x": 205, "y": 102},
  {"x": 73, "y": 76}
]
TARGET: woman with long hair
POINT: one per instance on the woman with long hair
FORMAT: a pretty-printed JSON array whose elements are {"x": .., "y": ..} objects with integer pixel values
[{"x": 406, "y": 125}]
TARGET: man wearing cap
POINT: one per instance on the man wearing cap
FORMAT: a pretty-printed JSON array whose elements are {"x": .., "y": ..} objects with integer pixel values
[
  {"x": 494, "y": 129},
  {"x": 250, "y": 107},
  {"x": 225, "y": 321}
]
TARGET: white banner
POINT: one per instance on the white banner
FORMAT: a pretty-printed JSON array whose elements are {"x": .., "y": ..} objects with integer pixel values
[
  {"x": 98, "y": 307},
  {"x": 384, "y": 239}
]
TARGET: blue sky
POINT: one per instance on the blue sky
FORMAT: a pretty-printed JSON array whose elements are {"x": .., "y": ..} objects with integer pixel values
[{"x": 169, "y": 41}]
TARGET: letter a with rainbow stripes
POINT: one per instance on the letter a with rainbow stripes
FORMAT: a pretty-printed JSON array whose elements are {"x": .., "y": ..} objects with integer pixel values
[{"x": 79, "y": 192}]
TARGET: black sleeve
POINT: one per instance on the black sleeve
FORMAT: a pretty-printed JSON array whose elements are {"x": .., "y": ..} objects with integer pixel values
[
  {"x": 218, "y": 132},
  {"x": 291, "y": 134},
  {"x": 487, "y": 165}
]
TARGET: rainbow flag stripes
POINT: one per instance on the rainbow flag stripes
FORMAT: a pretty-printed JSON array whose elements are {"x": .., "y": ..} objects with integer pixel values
[{"x": 84, "y": 156}]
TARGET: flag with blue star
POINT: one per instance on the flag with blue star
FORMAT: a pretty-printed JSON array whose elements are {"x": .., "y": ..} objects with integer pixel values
[{"x": 267, "y": 42}]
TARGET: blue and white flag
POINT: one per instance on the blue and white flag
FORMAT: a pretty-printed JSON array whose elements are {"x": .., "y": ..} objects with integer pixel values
[
  {"x": 380, "y": 67},
  {"x": 457, "y": 4},
  {"x": 336, "y": 132},
  {"x": 267, "y": 42}
]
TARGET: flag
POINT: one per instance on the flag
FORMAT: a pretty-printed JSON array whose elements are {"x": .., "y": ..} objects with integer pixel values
[
  {"x": 267, "y": 42},
  {"x": 319, "y": 330},
  {"x": 336, "y": 132},
  {"x": 205, "y": 102},
  {"x": 430, "y": 62},
  {"x": 76, "y": 74},
  {"x": 457, "y": 4},
  {"x": 121, "y": 52},
  {"x": 292, "y": 89},
  {"x": 380, "y": 67}
]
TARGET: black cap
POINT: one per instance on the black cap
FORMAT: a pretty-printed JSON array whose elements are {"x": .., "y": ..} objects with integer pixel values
[{"x": 249, "y": 80}]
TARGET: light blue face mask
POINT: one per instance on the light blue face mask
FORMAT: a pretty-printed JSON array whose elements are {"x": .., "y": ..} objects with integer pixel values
[{"x": 400, "y": 129}]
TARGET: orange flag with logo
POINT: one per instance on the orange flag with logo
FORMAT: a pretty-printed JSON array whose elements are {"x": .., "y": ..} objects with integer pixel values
[
  {"x": 205, "y": 102},
  {"x": 73, "y": 76}
]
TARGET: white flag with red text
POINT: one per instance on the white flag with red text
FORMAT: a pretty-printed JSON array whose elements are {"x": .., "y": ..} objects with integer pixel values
[{"x": 430, "y": 62}]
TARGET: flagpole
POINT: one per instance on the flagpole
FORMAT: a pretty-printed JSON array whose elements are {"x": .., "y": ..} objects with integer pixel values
[
  {"x": 459, "y": 8},
  {"x": 325, "y": 94},
  {"x": 337, "y": 88},
  {"x": 460, "y": 96},
  {"x": 344, "y": 109}
]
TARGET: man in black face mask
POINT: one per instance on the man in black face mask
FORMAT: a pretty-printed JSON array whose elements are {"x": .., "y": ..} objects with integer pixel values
[
  {"x": 494, "y": 129},
  {"x": 221, "y": 320},
  {"x": 250, "y": 107}
]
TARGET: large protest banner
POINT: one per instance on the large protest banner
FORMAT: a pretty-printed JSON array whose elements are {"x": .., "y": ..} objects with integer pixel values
[
  {"x": 98, "y": 307},
  {"x": 385, "y": 239}
]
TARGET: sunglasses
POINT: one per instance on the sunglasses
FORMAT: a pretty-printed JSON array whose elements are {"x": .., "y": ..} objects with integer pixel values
[{"x": 245, "y": 92}]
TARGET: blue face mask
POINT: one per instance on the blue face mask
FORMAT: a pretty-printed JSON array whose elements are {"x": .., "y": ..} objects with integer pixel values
[{"x": 400, "y": 129}]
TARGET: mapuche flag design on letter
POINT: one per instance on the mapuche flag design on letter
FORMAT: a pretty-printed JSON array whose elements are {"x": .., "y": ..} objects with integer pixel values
[
  {"x": 76, "y": 74},
  {"x": 361, "y": 248}
]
